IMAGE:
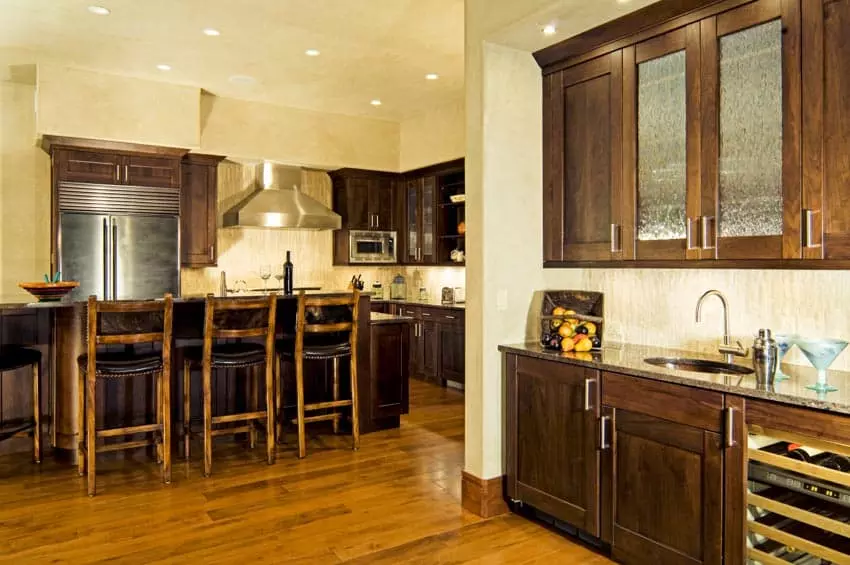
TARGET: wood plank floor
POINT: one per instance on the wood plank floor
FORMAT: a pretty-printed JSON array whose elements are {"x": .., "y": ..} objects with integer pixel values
[{"x": 397, "y": 500}]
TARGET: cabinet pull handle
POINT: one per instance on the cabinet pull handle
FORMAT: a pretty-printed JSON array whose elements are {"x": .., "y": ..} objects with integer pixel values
[
  {"x": 212, "y": 258},
  {"x": 705, "y": 229},
  {"x": 730, "y": 427},
  {"x": 689, "y": 233},
  {"x": 603, "y": 432},
  {"x": 616, "y": 244},
  {"x": 587, "y": 383},
  {"x": 426, "y": 314},
  {"x": 126, "y": 172},
  {"x": 809, "y": 218},
  {"x": 450, "y": 317},
  {"x": 118, "y": 173}
]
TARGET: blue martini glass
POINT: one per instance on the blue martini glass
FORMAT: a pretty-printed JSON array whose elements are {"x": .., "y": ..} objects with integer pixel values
[
  {"x": 784, "y": 343},
  {"x": 821, "y": 353}
]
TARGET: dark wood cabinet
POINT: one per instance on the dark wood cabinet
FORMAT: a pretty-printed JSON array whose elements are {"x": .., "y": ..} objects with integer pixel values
[
  {"x": 366, "y": 200},
  {"x": 73, "y": 165},
  {"x": 452, "y": 348},
  {"x": 723, "y": 138},
  {"x": 382, "y": 203},
  {"x": 437, "y": 343},
  {"x": 552, "y": 459},
  {"x": 420, "y": 220},
  {"x": 142, "y": 170},
  {"x": 390, "y": 370},
  {"x": 430, "y": 348},
  {"x": 198, "y": 211}
]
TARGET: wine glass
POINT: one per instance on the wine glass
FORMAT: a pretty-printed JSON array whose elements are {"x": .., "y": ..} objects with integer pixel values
[
  {"x": 821, "y": 353},
  {"x": 265, "y": 274},
  {"x": 279, "y": 276}
]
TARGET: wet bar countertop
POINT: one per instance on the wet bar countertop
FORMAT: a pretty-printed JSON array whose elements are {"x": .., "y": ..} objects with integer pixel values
[
  {"x": 628, "y": 359},
  {"x": 428, "y": 303}
]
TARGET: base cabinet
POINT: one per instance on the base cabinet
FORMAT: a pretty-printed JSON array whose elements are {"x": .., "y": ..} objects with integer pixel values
[
  {"x": 389, "y": 362},
  {"x": 552, "y": 459}
]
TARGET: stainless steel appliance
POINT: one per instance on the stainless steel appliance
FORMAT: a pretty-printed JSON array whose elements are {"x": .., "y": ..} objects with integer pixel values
[
  {"x": 119, "y": 242},
  {"x": 372, "y": 247}
]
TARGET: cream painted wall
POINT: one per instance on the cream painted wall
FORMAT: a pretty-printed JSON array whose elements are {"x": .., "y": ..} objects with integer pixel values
[
  {"x": 298, "y": 137},
  {"x": 87, "y": 104},
  {"x": 24, "y": 193},
  {"x": 435, "y": 136}
]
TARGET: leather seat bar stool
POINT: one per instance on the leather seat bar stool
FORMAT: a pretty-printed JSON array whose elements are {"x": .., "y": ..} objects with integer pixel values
[
  {"x": 233, "y": 318},
  {"x": 129, "y": 324},
  {"x": 12, "y": 358},
  {"x": 320, "y": 335}
]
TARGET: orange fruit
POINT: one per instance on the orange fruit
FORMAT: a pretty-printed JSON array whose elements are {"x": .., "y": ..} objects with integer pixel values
[{"x": 567, "y": 345}]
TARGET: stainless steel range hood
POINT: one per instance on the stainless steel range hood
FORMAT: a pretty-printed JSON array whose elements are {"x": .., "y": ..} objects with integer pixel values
[{"x": 279, "y": 203}]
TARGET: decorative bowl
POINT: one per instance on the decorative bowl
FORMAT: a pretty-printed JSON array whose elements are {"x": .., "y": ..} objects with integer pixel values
[{"x": 49, "y": 292}]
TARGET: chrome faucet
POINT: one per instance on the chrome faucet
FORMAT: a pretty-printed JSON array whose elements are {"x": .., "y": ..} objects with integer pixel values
[{"x": 726, "y": 348}]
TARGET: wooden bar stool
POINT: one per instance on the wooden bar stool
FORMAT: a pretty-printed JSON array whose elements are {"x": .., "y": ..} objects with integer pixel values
[
  {"x": 12, "y": 358},
  {"x": 127, "y": 323},
  {"x": 325, "y": 329},
  {"x": 229, "y": 318}
]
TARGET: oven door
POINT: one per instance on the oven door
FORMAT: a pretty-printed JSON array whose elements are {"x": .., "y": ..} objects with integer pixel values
[{"x": 372, "y": 247}]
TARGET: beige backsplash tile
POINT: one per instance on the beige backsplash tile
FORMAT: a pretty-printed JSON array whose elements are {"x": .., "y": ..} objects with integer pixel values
[{"x": 242, "y": 251}]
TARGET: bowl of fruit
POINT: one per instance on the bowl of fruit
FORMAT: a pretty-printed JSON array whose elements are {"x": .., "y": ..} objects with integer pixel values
[{"x": 571, "y": 321}]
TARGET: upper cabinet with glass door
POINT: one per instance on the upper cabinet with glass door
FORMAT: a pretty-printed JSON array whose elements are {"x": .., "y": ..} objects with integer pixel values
[
  {"x": 751, "y": 184},
  {"x": 661, "y": 152}
]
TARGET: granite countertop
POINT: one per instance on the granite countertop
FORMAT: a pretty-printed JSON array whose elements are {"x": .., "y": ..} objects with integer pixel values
[
  {"x": 430, "y": 303},
  {"x": 381, "y": 318},
  {"x": 628, "y": 359}
]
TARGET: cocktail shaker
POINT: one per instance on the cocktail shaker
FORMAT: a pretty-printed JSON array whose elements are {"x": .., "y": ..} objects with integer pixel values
[{"x": 765, "y": 357}]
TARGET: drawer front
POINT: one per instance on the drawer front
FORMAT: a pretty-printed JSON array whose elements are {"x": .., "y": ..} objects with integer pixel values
[
  {"x": 413, "y": 311},
  {"x": 447, "y": 316},
  {"x": 675, "y": 403}
]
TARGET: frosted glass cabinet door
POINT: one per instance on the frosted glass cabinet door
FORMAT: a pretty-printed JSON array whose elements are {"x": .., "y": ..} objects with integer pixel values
[
  {"x": 412, "y": 243},
  {"x": 757, "y": 182},
  {"x": 657, "y": 93}
]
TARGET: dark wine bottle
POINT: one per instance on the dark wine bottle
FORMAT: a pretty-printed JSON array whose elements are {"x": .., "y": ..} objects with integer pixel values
[{"x": 287, "y": 275}]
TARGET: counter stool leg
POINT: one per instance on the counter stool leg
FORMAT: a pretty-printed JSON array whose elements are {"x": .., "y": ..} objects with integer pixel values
[
  {"x": 299, "y": 385},
  {"x": 207, "y": 420},
  {"x": 278, "y": 398},
  {"x": 158, "y": 410},
  {"x": 91, "y": 436},
  {"x": 336, "y": 392},
  {"x": 36, "y": 402},
  {"x": 270, "y": 425},
  {"x": 166, "y": 428},
  {"x": 187, "y": 408},
  {"x": 81, "y": 422},
  {"x": 355, "y": 417},
  {"x": 253, "y": 385}
]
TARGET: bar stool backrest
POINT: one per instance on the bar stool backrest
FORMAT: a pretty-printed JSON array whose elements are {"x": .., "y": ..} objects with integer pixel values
[
  {"x": 233, "y": 318},
  {"x": 129, "y": 322},
  {"x": 327, "y": 315}
]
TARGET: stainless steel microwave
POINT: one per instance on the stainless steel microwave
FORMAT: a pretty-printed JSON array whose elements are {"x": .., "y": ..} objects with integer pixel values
[{"x": 372, "y": 247}]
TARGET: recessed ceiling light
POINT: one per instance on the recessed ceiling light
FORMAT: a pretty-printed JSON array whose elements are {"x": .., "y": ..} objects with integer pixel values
[
  {"x": 99, "y": 10},
  {"x": 375, "y": 102},
  {"x": 623, "y": 1},
  {"x": 212, "y": 32},
  {"x": 242, "y": 79},
  {"x": 164, "y": 67},
  {"x": 549, "y": 29},
  {"x": 312, "y": 52},
  {"x": 432, "y": 76}
]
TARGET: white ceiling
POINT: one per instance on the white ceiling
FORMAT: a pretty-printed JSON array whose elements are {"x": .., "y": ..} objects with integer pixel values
[{"x": 369, "y": 48}]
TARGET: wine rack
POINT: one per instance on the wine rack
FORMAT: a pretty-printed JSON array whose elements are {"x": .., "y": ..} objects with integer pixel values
[{"x": 798, "y": 499}]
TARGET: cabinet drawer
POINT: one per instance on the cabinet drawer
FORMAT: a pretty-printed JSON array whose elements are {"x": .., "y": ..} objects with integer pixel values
[
  {"x": 684, "y": 405},
  {"x": 447, "y": 316},
  {"x": 430, "y": 313},
  {"x": 412, "y": 311}
]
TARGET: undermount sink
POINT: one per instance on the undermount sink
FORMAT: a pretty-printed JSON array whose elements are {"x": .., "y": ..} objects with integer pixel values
[{"x": 698, "y": 365}]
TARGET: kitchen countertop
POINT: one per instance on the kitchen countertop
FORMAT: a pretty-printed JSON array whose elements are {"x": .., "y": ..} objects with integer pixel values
[
  {"x": 628, "y": 359},
  {"x": 429, "y": 303},
  {"x": 381, "y": 318}
]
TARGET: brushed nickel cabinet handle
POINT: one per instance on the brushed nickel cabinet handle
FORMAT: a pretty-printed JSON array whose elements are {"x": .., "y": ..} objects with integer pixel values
[
  {"x": 616, "y": 244},
  {"x": 426, "y": 314},
  {"x": 587, "y": 383},
  {"x": 449, "y": 317},
  {"x": 118, "y": 173},
  {"x": 730, "y": 427},
  {"x": 705, "y": 229},
  {"x": 689, "y": 233},
  {"x": 603, "y": 432},
  {"x": 809, "y": 233},
  {"x": 126, "y": 172},
  {"x": 212, "y": 257}
]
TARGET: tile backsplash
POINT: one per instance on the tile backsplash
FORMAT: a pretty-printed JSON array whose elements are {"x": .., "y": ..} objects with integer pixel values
[{"x": 242, "y": 251}]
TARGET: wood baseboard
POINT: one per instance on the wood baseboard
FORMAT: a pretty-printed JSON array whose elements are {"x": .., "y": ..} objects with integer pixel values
[{"x": 482, "y": 496}]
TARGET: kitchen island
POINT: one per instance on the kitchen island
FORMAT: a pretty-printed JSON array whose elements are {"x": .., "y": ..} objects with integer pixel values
[{"x": 58, "y": 330}]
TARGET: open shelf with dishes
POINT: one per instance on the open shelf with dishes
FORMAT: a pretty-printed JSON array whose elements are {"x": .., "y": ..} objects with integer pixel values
[
  {"x": 452, "y": 218},
  {"x": 798, "y": 499}
]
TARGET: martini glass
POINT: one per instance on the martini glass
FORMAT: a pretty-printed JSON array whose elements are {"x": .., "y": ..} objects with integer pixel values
[
  {"x": 784, "y": 343},
  {"x": 821, "y": 353}
]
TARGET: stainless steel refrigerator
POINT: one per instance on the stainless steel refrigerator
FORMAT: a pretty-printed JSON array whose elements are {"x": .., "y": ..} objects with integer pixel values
[{"x": 119, "y": 242}]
